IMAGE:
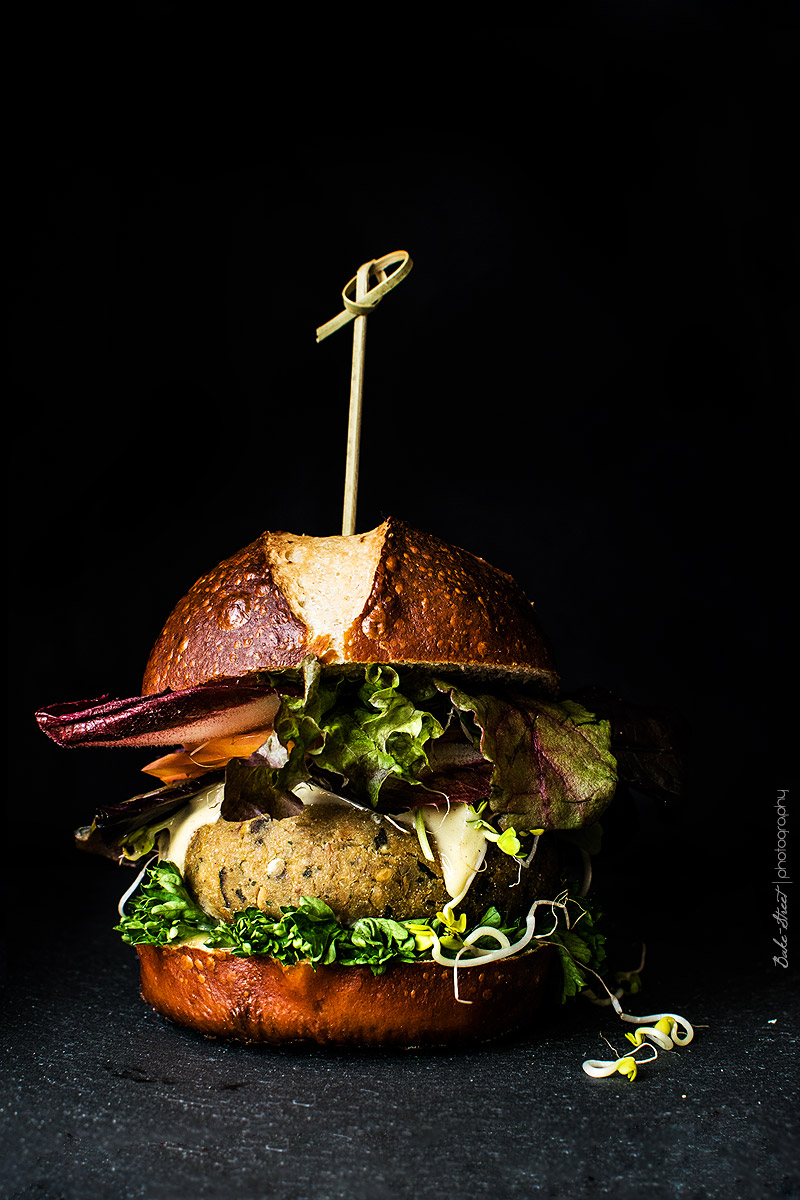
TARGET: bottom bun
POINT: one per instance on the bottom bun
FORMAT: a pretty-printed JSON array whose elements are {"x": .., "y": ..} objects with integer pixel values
[{"x": 258, "y": 999}]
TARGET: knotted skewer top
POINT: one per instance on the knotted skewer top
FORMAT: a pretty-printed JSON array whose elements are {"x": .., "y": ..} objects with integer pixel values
[
  {"x": 357, "y": 310},
  {"x": 363, "y": 304}
]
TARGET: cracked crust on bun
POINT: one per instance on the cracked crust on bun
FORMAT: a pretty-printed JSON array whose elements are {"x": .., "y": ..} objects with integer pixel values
[{"x": 392, "y": 595}]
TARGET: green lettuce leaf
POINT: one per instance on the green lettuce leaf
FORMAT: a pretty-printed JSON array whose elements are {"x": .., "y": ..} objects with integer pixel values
[
  {"x": 164, "y": 913},
  {"x": 363, "y": 730},
  {"x": 553, "y": 767},
  {"x": 307, "y": 931},
  {"x": 377, "y": 941}
]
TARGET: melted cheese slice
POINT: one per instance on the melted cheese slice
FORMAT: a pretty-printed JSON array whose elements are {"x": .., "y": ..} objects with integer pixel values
[
  {"x": 202, "y": 809},
  {"x": 461, "y": 846}
]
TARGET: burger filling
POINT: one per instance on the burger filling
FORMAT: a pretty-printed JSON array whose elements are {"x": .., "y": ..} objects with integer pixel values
[{"x": 381, "y": 816}]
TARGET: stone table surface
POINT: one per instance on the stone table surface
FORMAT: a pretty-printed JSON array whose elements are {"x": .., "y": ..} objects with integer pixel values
[{"x": 103, "y": 1098}]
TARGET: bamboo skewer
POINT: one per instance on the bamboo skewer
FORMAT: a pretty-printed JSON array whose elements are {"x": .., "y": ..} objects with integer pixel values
[
  {"x": 356, "y": 393},
  {"x": 357, "y": 310}
]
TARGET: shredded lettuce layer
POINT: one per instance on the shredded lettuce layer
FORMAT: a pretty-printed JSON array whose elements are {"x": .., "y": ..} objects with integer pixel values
[{"x": 164, "y": 913}]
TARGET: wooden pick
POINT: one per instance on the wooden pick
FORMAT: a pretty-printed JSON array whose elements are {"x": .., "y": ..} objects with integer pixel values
[{"x": 356, "y": 309}]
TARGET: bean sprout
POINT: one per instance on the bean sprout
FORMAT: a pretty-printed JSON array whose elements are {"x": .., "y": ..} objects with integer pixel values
[
  {"x": 679, "y": 1023},
  {"x": 665, "y": 1033},
  {"x": 626, "y": 1065},
  {"x": 530, "y": 857},
  {"x": 587, "y": 873},
  {"x": 506, "y": 947},
  {"x": 422, "y": 835},
  {"x": 124, "y": 899}
]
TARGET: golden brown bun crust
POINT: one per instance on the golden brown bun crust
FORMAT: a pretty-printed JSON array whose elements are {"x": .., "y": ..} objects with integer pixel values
[
  {"x": 232, "y": 621},
  {"x": 435, "y": 603},
  {"x": 260, "y": 1000},
  {"x": 429, "y": 604}
]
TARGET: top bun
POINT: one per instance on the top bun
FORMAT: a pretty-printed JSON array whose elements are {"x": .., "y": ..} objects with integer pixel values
[{"x": 392, "y": 595}]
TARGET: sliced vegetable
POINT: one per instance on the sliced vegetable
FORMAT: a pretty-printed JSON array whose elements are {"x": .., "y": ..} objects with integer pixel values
[
  {"x": 168, "y": 718},
  {"x": 194, "y": 761},
  {"x": 126, "y": 831}
]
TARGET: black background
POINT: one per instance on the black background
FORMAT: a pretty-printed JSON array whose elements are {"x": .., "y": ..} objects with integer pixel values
[{"x": 586, "y": 378}]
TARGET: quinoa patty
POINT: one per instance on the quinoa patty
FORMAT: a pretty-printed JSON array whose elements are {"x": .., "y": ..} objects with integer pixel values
[{"x": 358, "y": 863}]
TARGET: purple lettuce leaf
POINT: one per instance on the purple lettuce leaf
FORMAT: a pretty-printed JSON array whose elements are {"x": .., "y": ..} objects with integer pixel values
[
  {"x": 250, "y": 791},
  {"x": 553, "y": 767}
]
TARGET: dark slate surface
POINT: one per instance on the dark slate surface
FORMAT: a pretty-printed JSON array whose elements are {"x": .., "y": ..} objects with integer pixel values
[
  {"x": 584, "y": 381},
  {"x": 103, "y": 1098}
]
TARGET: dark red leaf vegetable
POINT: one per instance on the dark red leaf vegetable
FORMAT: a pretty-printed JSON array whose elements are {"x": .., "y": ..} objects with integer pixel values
[{"x": 165, "y": 719}]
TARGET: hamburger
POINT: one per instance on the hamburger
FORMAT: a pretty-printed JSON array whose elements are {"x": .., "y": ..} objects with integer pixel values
[{"x": 369, "y": 800}]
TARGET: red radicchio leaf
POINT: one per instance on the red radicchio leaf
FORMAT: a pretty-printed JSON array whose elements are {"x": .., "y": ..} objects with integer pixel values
[{"x": 164, "y": 719}]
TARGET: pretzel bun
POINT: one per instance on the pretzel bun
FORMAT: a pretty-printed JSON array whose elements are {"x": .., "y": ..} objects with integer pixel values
[
  {"x": 258, "y": 999},
  {"x": 393, "y": 595}
]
